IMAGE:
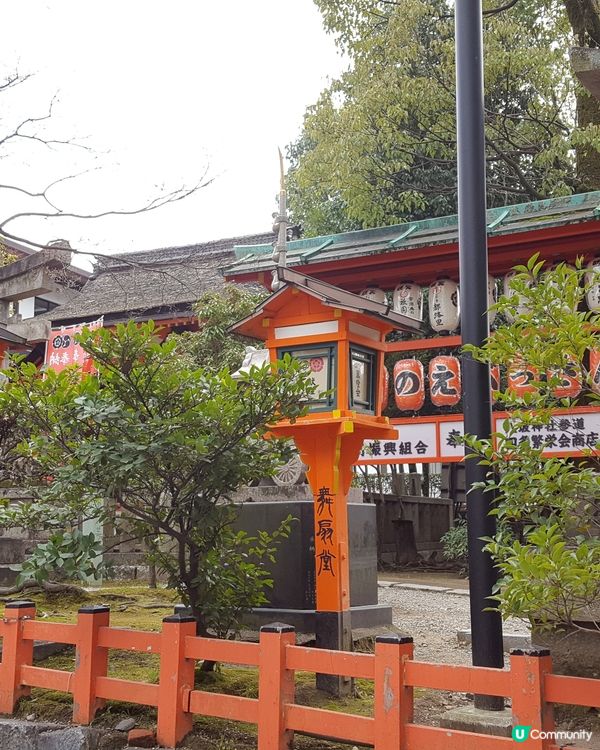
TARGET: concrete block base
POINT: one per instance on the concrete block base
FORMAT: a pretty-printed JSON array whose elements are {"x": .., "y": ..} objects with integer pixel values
[
  {"x": 510, "y": 640},
  {"x": 334, "y": 631},
  {"x": 367, "y": 616},
  {"x": 471, "y": 719}
]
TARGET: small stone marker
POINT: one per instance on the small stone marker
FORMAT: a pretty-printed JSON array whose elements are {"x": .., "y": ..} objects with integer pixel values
[{"x": 141, "y": 738}]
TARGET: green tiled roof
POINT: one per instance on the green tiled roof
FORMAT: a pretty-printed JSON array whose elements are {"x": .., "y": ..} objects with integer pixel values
[{"x": 506, "y": 220}]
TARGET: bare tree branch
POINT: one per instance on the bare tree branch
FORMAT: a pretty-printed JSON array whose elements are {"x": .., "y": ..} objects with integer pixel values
[
  {"x": 13, "y": 80},
  {"x": 44, "y": 193},
  {"x": 172, "y": 197},
  {"x": 50, "y": 142}
]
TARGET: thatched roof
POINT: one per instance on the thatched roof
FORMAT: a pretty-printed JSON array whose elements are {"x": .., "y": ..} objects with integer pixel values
[{"x": 135, "y": 284}]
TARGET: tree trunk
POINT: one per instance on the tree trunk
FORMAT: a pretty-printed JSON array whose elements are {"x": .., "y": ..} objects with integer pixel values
[
  {"x": 201, "y": 630},
  {"x": 584, "y": 17}
]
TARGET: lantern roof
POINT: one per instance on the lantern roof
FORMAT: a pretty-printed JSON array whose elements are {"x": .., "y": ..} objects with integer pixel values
[{"x": 327, "y": 294}]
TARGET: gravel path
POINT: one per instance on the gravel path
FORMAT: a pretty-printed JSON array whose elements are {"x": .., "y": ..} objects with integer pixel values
[{"x": 433, "y": 618}]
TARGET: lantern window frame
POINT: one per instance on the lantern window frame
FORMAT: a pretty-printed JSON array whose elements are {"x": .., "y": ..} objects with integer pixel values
[
  {"x": 370, "y": 357},
  {"x": 327, "y": 350}
]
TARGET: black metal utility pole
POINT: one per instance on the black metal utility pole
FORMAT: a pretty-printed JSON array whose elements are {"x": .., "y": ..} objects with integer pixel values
[{"x": 486, "y": 627}]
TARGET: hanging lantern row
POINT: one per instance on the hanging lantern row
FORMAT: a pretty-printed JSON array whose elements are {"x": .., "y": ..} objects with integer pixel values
[
  {"x": 444, "y": 299},
  {"x": 445, "y": 385},
  {"x": 522, "y": 379}
]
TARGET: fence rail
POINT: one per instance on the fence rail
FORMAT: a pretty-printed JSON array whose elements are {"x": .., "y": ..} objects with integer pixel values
[{"x": 529, "y": 683}]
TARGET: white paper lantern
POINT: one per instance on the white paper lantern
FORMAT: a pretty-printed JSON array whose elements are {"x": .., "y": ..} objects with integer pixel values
[
  {"x": 558, "y": 284},
  {"x": 444, "y": 305},
  {"x": 522, "y": 308},
  {"x": 374, "y": 293},
  {"x": 408, "y": 300},
  {"x": 592, "y": 296},
  {"x": 492, "y": 298}
]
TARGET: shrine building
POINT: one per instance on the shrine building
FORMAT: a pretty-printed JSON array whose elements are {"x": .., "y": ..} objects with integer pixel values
[{"x": 414, "y": 268}]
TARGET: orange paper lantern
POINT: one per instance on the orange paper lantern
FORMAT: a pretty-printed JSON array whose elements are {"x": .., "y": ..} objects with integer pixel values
[
  {"x": 521, "y": 379},
  {"x": 409, "y": 384},
  {"x": 444, "y": 381},
  {"x": 570, "y": 381},
  {"x": 385, "y": 388},
  {"x": 495, "y": 381},
  {"x": 495, "y": 377}
]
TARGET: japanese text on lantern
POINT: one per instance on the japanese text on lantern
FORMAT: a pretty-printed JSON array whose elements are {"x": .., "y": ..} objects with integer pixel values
[{"x": 325, "y": 532}]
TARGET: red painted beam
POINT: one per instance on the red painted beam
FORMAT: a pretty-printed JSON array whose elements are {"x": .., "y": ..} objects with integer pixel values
[{"x": 424, "y": 264}]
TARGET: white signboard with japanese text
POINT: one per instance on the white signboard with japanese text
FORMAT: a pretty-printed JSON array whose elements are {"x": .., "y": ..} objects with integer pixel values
[
  {"x": 438, "y": 439},
  {"x": 451, "y": 434},
  {"x": 568, "y": 432},
  {"x": 417, "y": 441}
]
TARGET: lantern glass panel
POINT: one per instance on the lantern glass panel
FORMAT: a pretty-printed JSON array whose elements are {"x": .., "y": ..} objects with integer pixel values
[
  {"x": 362, "y": 379},
  {"x": 321, "y": 361}
]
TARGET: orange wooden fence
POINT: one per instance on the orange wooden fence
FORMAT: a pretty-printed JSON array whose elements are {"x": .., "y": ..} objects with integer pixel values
[{"x": 529, "y": 682}]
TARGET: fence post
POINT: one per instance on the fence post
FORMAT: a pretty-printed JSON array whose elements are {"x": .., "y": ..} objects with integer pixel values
[
  {"x": 176, "y": 680},
  {"x": 275, "y": 686},
  {"x": 393, "y": 698},
  {"x": 529, "y": 708},
  {"x": 16, "y": 651},
  {"x": 91, "y": 661}
]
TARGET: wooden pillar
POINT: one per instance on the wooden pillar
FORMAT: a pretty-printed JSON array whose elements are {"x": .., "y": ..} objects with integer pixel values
[
  {"x": 529, "y": 707},
  {"x": 393, "y": 698},
  {"x": 176, "y": 680},
  {"x": 330, "y": 451},
  {"x": 16, "y": 652},
  {"x": 275, "y": 687},
  {"x": 91, "y": 662}
]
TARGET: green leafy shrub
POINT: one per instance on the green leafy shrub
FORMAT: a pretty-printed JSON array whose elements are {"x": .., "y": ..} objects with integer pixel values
[
  {"x": 547, "y": 545},
  {"x": 67, "y": 555},
  {"x": 167, "y": 440},
  {"x": 454, "y": 541}
]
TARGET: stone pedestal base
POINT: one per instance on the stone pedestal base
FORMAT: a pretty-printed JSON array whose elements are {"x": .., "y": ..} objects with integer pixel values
[
  {"x": 304, "y": 620},
  {"x": 471, "y": 719}
]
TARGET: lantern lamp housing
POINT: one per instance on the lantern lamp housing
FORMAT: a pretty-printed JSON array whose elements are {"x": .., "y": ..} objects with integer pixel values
[{"x": 340, "y": 335}]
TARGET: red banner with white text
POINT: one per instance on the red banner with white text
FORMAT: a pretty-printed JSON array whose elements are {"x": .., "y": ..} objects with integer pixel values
[{"x": 62, "y": 350}]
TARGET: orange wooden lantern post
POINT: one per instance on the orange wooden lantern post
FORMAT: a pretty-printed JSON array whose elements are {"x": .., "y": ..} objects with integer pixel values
[{"x": 341, "y": 337}]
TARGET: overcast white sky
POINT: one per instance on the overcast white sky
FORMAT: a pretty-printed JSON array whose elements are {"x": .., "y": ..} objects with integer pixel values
[{"x": 161, "y": 92}]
